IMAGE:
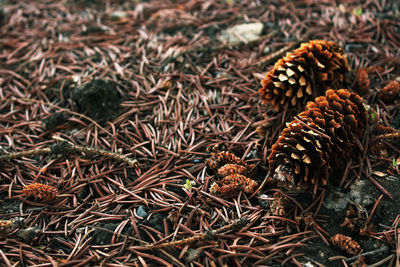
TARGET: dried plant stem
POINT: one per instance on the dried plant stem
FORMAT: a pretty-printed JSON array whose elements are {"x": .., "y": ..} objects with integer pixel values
[
  {"x": 238, "y": 224},
  {"x": 68, "y": 148},
  {"x": 26, "y": 153},
  {"x": 389, "y": 136},
  {"x": 369, "y": 253},
  {"x": 107, "y": 154},
  {"x": 214, "y": 48},
  {"x": 277, "y": 54}
]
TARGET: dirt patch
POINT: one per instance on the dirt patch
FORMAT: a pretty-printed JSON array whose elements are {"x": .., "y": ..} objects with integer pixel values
[{"x": 99, "y": 99}]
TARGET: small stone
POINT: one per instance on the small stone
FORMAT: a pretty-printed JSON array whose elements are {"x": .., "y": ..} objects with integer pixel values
[
  {"x": 358, "y": 193},
  {"x": 29, "y": 234},
  {"x": 243, "y": 32},
  {"x": 118, "y": 15},
  {"x": 336, "y": 201},
  {"x": 192, "y": 255},
  {"x": 141, "y": 211}
]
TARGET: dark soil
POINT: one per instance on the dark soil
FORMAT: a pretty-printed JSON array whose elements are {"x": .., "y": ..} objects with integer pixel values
[{"x": 99, "y": 99}]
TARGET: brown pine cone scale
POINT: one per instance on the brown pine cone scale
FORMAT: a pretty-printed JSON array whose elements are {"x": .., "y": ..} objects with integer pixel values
[
  {"x": 304, "y": 74},
  {"x": 317, "y": 140}
]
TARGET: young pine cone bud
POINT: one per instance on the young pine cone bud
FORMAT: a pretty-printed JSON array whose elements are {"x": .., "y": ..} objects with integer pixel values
[
  {"x": 40, "y": 191},
  {"x": 303, "y": 155},
  {"x": 345, "y": 243},
  {"x": 304, "y": 74}
]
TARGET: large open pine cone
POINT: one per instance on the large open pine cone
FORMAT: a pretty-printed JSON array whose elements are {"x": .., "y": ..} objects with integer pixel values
[
  {"x": 324, "y": 133},
  {"x": 305, "y": 73}
]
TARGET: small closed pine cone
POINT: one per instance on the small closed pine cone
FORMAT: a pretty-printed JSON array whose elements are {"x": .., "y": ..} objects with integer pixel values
[
  {"x": 303, "y": 155},
  {"x": 230, "y": 168},
  {"x": 304, "y": 74},
  {"x": 277, "y": 206},
  {"x": 362, "y": 81},
  {"x": 380, "y": 128},
  {"x": 40, "y": 191},
  {"x": 345, "y": 243},
  {"x": 222, "y": 158},
  {"x": 235, "y": 183},
  {"x": 390, "y": 93}
]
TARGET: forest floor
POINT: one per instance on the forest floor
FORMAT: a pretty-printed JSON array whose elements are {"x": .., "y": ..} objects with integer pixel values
[{"x": 118, "y": 106}]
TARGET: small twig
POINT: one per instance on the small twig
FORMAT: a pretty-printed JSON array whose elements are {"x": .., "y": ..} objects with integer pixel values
[
  {"x": 238, "y": 224},
  {"x": 70, "y": 147},
  {"x": 66, "y": 147},
  {"x": 214, "y": 48},
  {"x": 387, "y": 136},
  {"x": 277, "y": 54},
  {"x": 369, "y": 253},
  {"x": 26, "y": 153},
  {"x": 107, "y": 154}
]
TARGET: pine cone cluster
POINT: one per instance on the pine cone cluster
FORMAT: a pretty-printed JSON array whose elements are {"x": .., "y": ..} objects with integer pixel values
[
  {"x": 305, "y": 73},
  {"x": 314, "y": 142},
  {"x": 345, "y": 243},
  {"x": 232, "y": 172},
  {"x": 40, "y": 191}
]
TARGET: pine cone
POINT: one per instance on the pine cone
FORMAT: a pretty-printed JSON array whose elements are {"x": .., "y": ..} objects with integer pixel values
[
  {"x": 380, "y": 128},
  {"x": 362, "y": 81},
  {"x": 303, "y": 155},
  {"x": 390, "y": 93},
  {"x": 304, "y": 74},
  {"x": 230, "y": 168},
  {"x": 222, "y": 158},
  {"x": 40, "y": 191},
  {"x": 345, "y": 243},
  {"x": 235, "y": 183},
  {"x": 277, "y": 206}
]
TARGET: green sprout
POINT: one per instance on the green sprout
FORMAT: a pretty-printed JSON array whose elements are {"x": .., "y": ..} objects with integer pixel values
[
  {"x": 188, "y": 184},
  {"x": 373, "y": 115},
  {"x": 358, "y": 11},
  {"x": 394, "y": 162}
]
